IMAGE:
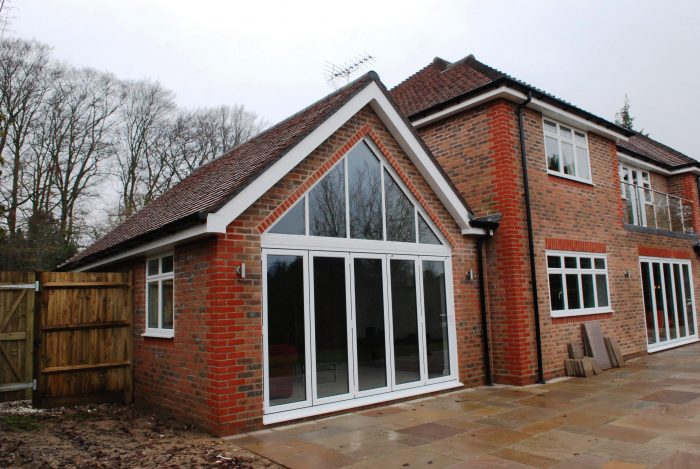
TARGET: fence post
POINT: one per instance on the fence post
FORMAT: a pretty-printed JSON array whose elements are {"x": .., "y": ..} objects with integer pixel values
[{"x": 37, "y": 400}]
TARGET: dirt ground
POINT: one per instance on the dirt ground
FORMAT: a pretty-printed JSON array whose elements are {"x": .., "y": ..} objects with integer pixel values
[{"x": 110, "y": 436}]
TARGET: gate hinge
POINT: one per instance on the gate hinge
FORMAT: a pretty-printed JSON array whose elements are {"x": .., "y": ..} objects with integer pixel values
[
  {"x": 34, "y": 382},
  {"x": 36, "y": 286}
]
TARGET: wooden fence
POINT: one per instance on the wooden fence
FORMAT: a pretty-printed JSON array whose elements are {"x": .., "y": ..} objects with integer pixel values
[
  {"x": 16, "y": 335},
  {"x": 83, "y": 344}
]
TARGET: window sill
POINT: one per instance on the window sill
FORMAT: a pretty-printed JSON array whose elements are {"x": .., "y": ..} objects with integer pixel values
[
  {"x": 570, "y": 178},
  {"x": 580, "y": 313},
  {"x": 159, "y": 334}
]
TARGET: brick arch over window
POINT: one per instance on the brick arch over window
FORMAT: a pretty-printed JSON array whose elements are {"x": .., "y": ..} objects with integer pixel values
[{"x": 365, "y": 131}]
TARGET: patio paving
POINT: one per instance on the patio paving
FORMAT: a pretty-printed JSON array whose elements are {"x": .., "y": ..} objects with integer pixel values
[{"x": 644, "y": 415}]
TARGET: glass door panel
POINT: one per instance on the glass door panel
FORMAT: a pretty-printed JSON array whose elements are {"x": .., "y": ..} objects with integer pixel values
[
  {"x": 405, "y": 327},
  {"x": 668, "y": 302},
  {"x": 648, "y": 304},
  {"x": 437, "y": 342},
  {"x": 286, "y": 330},
  {"x": 371, "y": 344},
  {"x": 330, "y": 321},
  {"x": 659, "y": 299}
]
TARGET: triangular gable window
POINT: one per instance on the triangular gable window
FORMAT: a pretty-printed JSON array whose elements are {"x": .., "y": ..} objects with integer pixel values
[{"x": 359, "y": 199}]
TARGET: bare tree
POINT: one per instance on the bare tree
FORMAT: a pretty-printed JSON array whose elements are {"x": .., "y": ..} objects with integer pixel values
[
  {"x": 24, "y": 80},
  {"x": 144, "y": 118},
  {"x": 77, "y": 125}
]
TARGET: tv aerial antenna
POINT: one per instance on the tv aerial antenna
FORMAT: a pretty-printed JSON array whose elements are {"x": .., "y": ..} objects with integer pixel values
[{"x": 338, "y": 75}]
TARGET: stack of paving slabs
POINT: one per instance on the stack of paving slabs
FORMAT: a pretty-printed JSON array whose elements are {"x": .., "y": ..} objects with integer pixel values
[
  {"x": 594, "y": 344},
  {"x": 578, "y": 364},
  {"x": 614, "y": 352}
]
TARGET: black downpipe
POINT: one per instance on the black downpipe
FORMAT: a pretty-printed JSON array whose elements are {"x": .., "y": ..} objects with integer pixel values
[
  {"x": 530, "y": 240},
  {"x": 482, "y": 299}
]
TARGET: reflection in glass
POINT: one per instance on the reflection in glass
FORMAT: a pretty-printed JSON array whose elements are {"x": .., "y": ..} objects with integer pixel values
[
  {"x": 400, "y": 214},
  {"x": 601, "y": 285},
  {"x": 369, "y": 318},
  {"x": 648, "y": 303},
  {"x": 435, "y": 303},
  {"x": 679, "y": 299},
  {"x": 572, "y": 296},
  {"x": 153, "y": 304},
  {"x": 167, "y": 303},
  {"x": 327, "y": 205},
  {"x": 285, "y": 329},
  {"x": 661, "y": 317},
  {"x": 670, "y": 305},
  {"x": 556, "y": 292},
  {"x": 405, "y": 321},
  {"x": 689, "y": 306},
  {"x": 292, "y": 222},
  {"x": 330, "y": 321},
  {"x": 167, "y": 264},
  {"x": 365, "y": 185},
  {"x": 588, "y": 295},
  {"x": 425, "y": 234}
]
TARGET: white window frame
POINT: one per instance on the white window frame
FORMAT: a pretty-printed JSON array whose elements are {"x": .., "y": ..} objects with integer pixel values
[
  {"x": 313, "y": 405},
  {"x": 669, "y": 342},
  {"x": 160, "y": 331},
  {"x": 559, "y": 138},
  {"x": 307, "y": 241},
  {"x": 578, "y": 271}
]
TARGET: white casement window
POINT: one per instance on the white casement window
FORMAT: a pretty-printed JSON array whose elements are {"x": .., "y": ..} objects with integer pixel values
[
  {"x": 160, "y": 296},
  {"x": 567, "y": 151},
  {"x": 578, "y": 283},
  {"x": 640, "y": 179}
]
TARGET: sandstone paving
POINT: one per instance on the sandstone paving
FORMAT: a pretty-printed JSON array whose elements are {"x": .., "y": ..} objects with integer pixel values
[{"x": 646, "y": 415}]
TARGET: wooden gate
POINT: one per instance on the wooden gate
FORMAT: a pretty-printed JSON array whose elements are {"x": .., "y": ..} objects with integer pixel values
[
  {"x": 16, "y": 334},
  {"x": 84, "y": 349}
]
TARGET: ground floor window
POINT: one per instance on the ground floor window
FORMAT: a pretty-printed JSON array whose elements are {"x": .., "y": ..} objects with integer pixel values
[
  {"x": 341, "y": 326},
  {"x": 669, "y": 302},
  {"x": 578, "y": 283}
]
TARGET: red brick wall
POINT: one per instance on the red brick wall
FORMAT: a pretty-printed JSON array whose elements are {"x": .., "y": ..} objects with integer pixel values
[
  {"x": 171, "y": 375},
  {"x": 477, "y": 150},
  {"x": 210, "y": 374},
  {"x": 480, "y": 151}
]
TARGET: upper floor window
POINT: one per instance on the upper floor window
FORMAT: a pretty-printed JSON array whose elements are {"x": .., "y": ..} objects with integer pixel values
[
  {"x": 160, "y": 294},
  {"x": 634, "y": 178},
  {"x": 358, "y": 199},
  {"x": 567, "y": 151}
]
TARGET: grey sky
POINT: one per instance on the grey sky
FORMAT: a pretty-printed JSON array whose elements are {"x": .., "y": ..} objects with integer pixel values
[{"x": 270, "y": 56}]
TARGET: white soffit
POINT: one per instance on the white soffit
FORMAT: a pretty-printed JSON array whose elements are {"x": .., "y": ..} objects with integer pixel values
[{"x": 632, "y": 161}]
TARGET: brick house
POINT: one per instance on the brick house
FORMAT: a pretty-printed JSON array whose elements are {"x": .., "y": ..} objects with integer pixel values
[
  {"x": 320, "y": 266},
  {"x": 333, "y": 261},
  {"x": 613, "y": 216}
]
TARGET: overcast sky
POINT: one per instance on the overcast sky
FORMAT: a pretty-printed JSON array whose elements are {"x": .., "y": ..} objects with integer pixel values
[{"x": 270, "y": 56}]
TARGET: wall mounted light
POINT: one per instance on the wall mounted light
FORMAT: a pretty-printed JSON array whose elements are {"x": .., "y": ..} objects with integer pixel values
[
  {"x": 470, "y": 274},
  {"x": 627, "y": 273},
  {"x": 240, "y": 270}
]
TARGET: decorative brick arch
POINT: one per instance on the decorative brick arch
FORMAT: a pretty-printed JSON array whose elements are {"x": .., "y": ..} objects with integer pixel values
[{"x": 320, "y": 172}]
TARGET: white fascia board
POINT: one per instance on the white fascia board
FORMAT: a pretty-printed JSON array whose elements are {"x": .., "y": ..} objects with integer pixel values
[
  {"x": 631, "y": 160},
  {"x": 510, "y": 94},
  {"x": 371, "y": 94},
  {"x": 164, "y": 243},
  {"x": 422, "y": 161}
]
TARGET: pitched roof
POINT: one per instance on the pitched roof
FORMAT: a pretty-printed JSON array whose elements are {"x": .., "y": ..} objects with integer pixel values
[
  {"x": 213, "y": 184},
  {"x": 442, "y": 83},
  {"x": 645, "y": 148}
]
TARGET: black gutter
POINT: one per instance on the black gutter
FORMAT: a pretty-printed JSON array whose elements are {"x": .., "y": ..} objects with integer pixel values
[
  {"x": 187, "y": 221},
  {"x": 489, "y": 224},
  {"x": 526, "y": 89},
  {"x": 530, "y": 238}
]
